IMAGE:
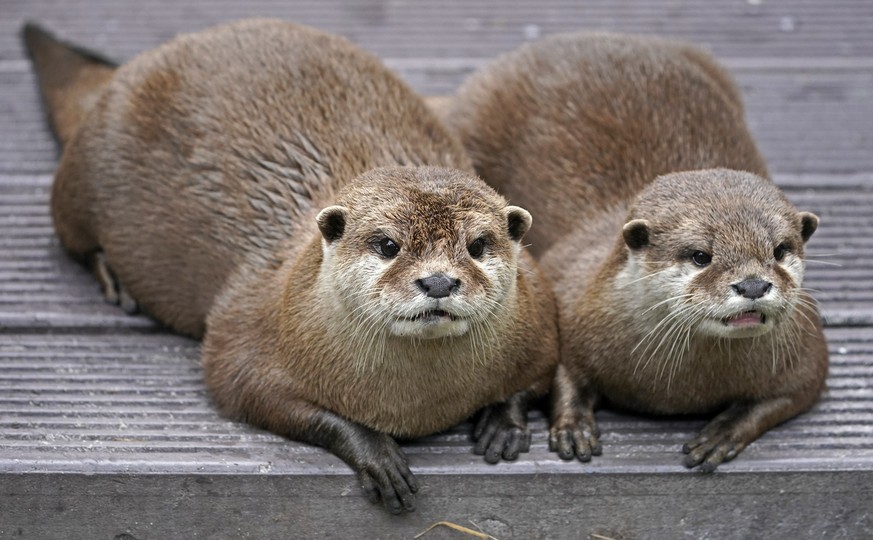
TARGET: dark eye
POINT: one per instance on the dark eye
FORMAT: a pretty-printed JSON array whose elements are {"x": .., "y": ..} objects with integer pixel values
[
  {"x": 780, "y": 251},
  {"x": 387, "y": 248},
  {"x": 701, "y": 258},
  {"x": 477, "y": 248}
]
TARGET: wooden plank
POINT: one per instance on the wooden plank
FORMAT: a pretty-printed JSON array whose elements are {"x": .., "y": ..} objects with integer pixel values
[
  {"x": 111, "y": 404},
  {"x": 106, "y": 429},
  {"x": 459, "y": 28},
  {"x": 528, "y": 506}
]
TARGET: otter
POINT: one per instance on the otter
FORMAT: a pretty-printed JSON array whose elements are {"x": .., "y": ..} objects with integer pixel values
[
  {"x": 277, "y": 192},
  {"x": 677, "y": 264}
]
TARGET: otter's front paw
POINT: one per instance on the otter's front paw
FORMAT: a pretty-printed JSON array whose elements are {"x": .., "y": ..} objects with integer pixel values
[
  {"x": 722, "y": 439},
  {"x": 578, "y": 436},
  {"x": 384, "y": 472},
  {"x": 501, "y": 432},
  {"x": 712, "y": 447}
]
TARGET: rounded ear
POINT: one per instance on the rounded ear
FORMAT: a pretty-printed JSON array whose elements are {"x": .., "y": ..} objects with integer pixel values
[
  {"x": 518, "y": 221},
  {"x": 332, "y": 222},
  {"x": 808, "y": 225},
  {"x": 636, "y": 233}
]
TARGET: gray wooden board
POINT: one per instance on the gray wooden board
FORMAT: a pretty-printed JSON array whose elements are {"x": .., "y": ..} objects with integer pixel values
[
  {"x": 461, "y": 28},
  {"x": 106, "y": 429},
  {"x": 114, "y": 434},
  {"x": 135, "y": 403},
  {"x": 524, "y": 506}
]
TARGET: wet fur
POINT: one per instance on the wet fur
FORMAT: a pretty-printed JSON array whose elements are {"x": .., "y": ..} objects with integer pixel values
[
  {"x": 577, "y": 128},
  {"x": 201, "y": 198}
]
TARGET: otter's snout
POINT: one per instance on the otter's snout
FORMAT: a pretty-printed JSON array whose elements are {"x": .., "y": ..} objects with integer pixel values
[
  {"x": 438, "y": 285},
  {"x": 752, "y": 288}
]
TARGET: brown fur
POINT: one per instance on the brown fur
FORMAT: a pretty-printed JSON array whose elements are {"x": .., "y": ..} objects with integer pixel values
[
  {"x": 440, "y": 105},
  {"x": 421, "y": 386},
  {"x": 559, "y": 126},
  {"x": 199, "y": 176},
  {"x": 268, "y": 158},
  {"x": 578, "y": 128}
]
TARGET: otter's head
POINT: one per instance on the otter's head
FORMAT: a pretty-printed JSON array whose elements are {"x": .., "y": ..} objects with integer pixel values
[
  {"x": 423, "y": 252},
  {"x": 722, "y": 250}
]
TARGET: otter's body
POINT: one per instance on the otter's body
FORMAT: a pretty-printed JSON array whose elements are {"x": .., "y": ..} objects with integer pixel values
[
  {"x": 628, "y": 152},
  {"x": 276, "y": 191},
  {"x": 223, "y": 144},
  {"x": 404, "y": 386}
]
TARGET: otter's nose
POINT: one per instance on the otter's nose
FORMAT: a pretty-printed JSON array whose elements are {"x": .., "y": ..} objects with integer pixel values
[
  {"x": 752, "y": 288},
  {"x": 438, "y": 285}
]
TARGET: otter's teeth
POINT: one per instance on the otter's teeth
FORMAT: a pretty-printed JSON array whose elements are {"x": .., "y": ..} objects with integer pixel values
[
  {"x": 432, "y": 313},
  {"x": 747, "y": 318}
]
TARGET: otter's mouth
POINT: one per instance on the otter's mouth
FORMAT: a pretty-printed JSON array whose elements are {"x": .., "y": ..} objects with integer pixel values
[
  {"x": 746, "y": 319},
  {"x": 433, "y": 315}
]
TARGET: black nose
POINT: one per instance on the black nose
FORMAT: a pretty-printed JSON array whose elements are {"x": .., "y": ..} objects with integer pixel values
[
  {"x": 438, "y": 285},
  {"x": 752, "y": 288}
]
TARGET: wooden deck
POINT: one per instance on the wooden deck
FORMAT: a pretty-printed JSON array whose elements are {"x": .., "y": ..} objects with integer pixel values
[{"x": 106, "y": 430}]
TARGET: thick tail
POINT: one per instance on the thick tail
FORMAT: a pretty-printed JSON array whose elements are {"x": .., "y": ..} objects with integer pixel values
[{"x": 71, "y": 78}]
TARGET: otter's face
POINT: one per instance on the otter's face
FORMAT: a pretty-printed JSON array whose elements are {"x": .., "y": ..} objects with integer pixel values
[
  {"x": 730, "y": 266},
  {"x": 425, "y": 262}
]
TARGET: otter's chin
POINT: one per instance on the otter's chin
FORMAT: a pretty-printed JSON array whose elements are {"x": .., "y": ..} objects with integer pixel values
[
  {"x": 430, "y": 326},
  {"x": 741, "y": 325}
]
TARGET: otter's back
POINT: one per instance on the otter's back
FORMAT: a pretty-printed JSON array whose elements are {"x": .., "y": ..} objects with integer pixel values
[{"x": 581, "y": 121}]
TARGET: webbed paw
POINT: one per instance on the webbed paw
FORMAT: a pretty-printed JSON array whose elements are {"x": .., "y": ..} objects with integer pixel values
[
  {"x": 709, "y": 454},
  {"x": 383, "y": 472},
  {"x": 501, "y": 432},
  {"x": 723, "y": 438},
  {"x": 578, "y": 436},
  {"x": 714, "y": 445}
]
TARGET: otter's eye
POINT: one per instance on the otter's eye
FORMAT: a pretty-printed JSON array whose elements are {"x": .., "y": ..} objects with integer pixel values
[
  {"x": 701, "y": 258},
  {"x": 477, "y": 248},
  {"x": 779, "y": 252},
  {"x": 387, "y": 248}
]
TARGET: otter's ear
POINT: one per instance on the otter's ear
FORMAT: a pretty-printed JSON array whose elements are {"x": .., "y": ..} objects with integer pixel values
[
  {"x": 636, "y": 233},
  {"x": 518, "y": 221},
  {"x": 332, "y": 222},
  {"x": 808, "y": 225}
]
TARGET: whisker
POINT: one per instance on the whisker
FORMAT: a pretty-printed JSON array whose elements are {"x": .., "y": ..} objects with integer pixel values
[
  {"x": 662, "y": 302},
  {"x": 829, "y": 263},
  {"x": 647, "y": 276},
  {"x": 670, "y": 326}
]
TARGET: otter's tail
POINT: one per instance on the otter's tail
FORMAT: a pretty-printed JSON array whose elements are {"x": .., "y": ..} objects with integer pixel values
[{"x": 71, "y": 78}]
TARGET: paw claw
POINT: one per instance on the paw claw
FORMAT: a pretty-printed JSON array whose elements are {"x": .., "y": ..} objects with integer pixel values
[
  {"x": 707, "y": 467},
  {"x": 515, "y": 445},
  {"x": 126, "y": 302},
  {"x": 690, "y": 462},
  {"x": 369, "y": 488}
]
